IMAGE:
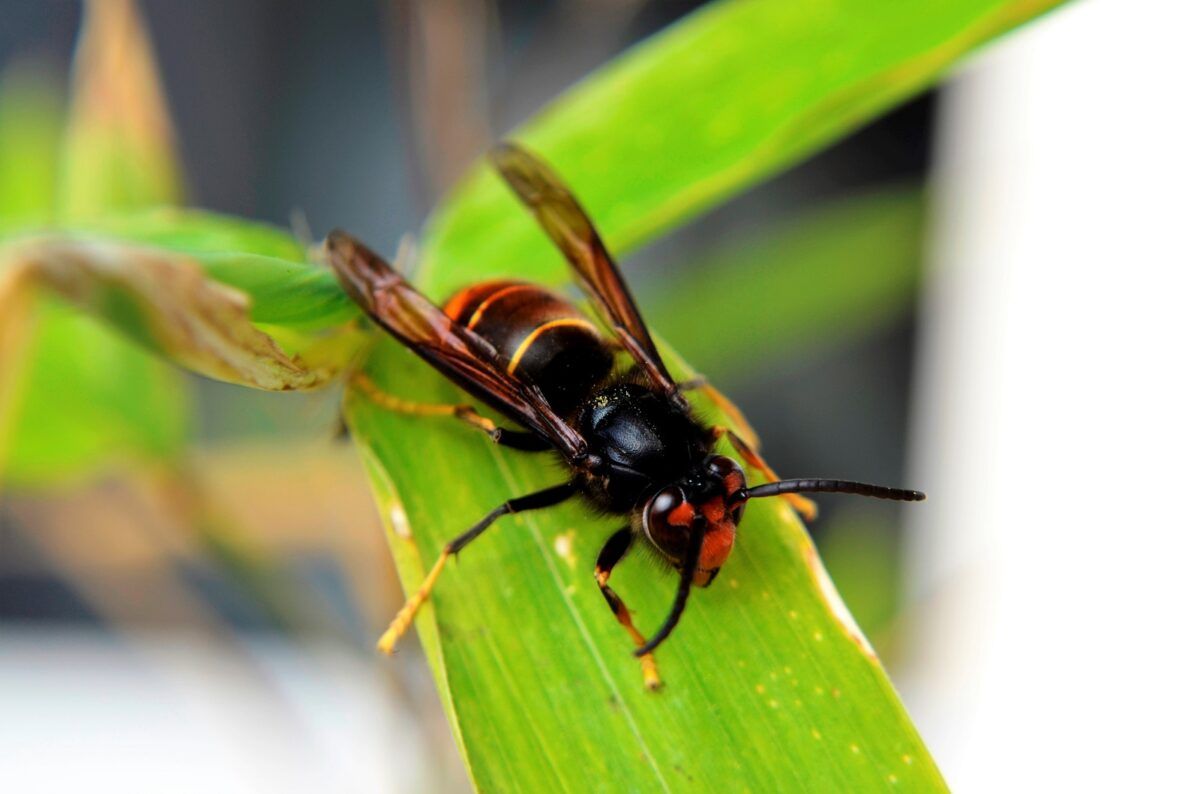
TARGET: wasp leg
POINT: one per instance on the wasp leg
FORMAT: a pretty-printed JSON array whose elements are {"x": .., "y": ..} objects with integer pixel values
[
  {"x": 610, "y": 555},
  {"x": 724, "y": 405},
  {"x": 404, "y": 618},
  {"x": 516, "y": 439},
  {"x": 803, "y": 505}
]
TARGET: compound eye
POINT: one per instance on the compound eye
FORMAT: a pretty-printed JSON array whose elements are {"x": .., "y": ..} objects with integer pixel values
[
  {"x": 668, "y": 519},
  {"x": 667, "y": 507},
  {"x": 722, "y": 466},
  {"x": 732, "y": 480}
]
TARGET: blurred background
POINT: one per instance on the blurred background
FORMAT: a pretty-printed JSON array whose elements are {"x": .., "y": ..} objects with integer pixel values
[{"x": 1010, "y": 262}]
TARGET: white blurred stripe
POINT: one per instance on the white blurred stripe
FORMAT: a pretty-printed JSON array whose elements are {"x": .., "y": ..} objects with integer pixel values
[
  {"x": 83, "y": 711},
  {"x": 1058, "y": 559}
]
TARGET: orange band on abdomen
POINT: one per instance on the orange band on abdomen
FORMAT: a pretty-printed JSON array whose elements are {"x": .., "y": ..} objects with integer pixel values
[{"x": 495, "y": 296}]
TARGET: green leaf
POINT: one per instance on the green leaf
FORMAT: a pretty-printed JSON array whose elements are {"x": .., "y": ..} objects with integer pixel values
[
  {"x": 813, "y": 283},
  {"x": 30, "y": 118},
  {"x": 724, "y": 99},
  {"x": 770, "y": 687},
  {"x": 86, "y": 389}
]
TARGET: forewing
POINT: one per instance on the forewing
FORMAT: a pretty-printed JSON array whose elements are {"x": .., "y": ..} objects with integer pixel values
[
  {"x": 568, "y": 226},
  {"x": 454, "y": 350}
]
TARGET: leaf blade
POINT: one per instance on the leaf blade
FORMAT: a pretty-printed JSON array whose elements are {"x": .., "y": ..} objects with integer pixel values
[
  {"x": 531, "y": 653},
  {"x": 59, "y": 416}
]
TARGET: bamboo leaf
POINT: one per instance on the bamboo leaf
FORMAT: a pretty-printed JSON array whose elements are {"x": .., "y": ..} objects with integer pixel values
[
  {"x": 770, "y": 685},
  {"x": 91, "y": 310},
  {"x": 266, "y": 263}
]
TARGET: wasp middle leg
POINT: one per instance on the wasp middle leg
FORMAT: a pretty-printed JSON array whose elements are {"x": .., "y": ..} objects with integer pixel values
[
  {"x": 404, "y": 618},
  {"x": 612, "y": 553}
]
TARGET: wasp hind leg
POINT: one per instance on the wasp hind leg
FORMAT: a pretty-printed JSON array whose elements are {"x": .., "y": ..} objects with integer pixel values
[
  {"x": 612, "y": 553},
  {"x": 404, "y": 618},
  {"x": 515, "y": 439}
]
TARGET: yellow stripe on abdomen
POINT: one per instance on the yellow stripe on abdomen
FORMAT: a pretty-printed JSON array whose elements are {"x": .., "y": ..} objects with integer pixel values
[{"x": 575, "y": 322}]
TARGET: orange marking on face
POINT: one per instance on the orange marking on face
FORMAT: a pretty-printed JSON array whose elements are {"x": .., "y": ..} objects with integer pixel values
[
  {"x": 714, "y": 509},
  {"x": 681, "y": 516},
  {"x": 733, "y": 481},
  {"x": 718, "y": 542}
]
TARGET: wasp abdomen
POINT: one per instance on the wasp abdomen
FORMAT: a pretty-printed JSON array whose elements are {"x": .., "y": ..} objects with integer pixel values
[{"x": 543, "y": 337}]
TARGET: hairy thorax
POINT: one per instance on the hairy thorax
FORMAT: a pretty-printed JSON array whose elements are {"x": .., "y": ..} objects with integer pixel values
[{"x": 643, "y": 440}]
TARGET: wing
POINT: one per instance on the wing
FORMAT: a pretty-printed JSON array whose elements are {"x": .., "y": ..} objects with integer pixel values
[
  {"x": 454, "y": 350},
  {"x": 568, "y": 226}
]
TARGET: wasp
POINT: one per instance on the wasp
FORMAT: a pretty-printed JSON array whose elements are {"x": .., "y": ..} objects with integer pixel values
[{"x": 630, "y": 441}]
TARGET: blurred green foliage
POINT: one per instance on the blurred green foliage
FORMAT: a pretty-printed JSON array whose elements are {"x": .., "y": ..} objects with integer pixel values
[
  {"x": 30, "y": 127},
  {"x": 808, "y": 283},
  {"x": 90, "y": 397},
  {"x": 82, "y": 396}
]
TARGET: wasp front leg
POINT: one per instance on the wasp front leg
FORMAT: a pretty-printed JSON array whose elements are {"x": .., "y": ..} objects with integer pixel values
[
  {"x": 404, "y": 618},
  {"x": 612, "y": 553}
]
